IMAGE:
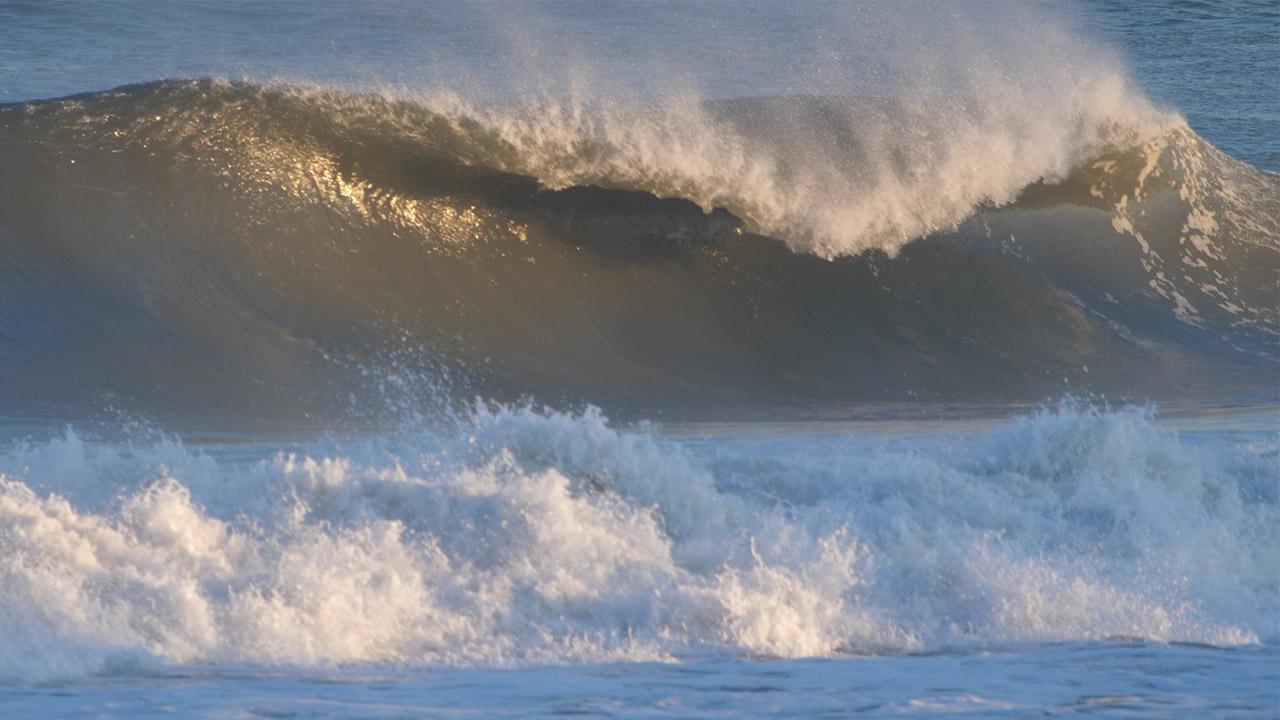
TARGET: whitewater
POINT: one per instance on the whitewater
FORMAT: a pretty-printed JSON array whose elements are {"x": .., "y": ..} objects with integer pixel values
[
  {"x": 639, "y": 360},
  {"x": 519, "y": 538}
]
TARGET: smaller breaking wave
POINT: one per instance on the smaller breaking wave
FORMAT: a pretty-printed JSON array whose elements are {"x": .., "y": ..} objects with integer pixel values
[{"x": 523, "y": 537}]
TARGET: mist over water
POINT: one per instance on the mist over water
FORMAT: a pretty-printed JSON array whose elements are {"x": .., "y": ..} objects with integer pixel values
[
  {"x": 982, "y": 100},
  {"x": 749, "y": 49}
]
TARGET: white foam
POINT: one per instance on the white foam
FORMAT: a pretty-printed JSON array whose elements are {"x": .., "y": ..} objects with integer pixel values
[{"x": 527, "y": 537}]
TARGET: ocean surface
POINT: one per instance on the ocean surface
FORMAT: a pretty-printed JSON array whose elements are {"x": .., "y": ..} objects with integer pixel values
[{"x": 394, "y": 360}]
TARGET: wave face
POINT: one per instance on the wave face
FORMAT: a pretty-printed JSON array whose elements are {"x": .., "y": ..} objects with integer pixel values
[
  {"x": 520, "y": 537},
  {"x": 216, "y": 248}
]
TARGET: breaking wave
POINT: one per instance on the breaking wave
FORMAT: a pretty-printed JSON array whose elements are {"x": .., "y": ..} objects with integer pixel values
[
  {"x": 521, "y": 537},
  {"x": 212, "y": 248}
]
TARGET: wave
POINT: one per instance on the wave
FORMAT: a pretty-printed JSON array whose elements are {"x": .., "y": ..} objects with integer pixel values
[
  {"x": 523, "y": 537},
  {"x": 213, "y": 247}
]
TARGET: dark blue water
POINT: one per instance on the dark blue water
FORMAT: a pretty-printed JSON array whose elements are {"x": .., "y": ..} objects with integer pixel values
[{"x": 1216, "y": 62}]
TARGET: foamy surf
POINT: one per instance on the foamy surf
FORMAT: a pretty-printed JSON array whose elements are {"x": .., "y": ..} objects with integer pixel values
[{"x": 522, "y": 537}]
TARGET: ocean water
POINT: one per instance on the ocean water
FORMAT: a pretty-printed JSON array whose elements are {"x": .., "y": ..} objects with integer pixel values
[{"x": 639, "y": 360}]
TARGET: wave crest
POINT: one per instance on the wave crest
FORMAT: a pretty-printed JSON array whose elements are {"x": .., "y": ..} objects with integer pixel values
[{"x": 831, "y": 176}]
